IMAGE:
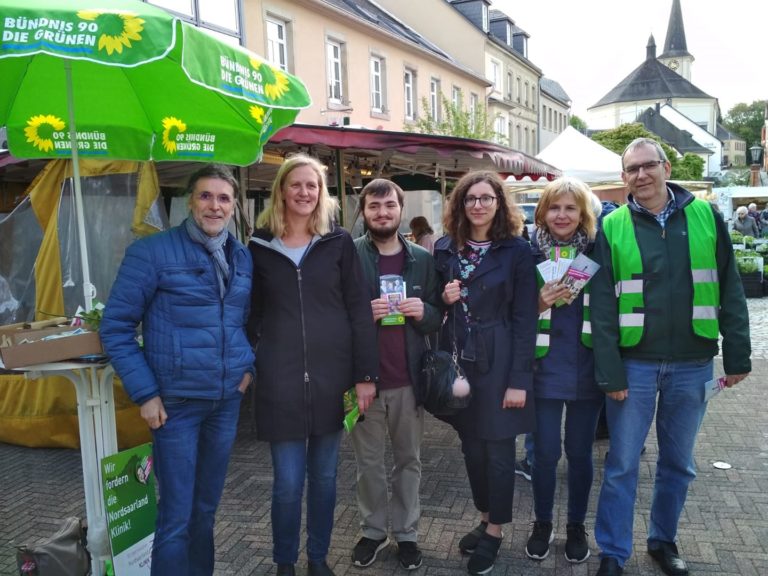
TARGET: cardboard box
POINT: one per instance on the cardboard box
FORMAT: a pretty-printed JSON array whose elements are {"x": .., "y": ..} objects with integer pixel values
[{"x": 25, "y": 347}]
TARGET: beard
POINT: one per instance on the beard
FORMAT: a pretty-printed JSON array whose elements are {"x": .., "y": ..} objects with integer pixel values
[{"x": 384, "y": 233}]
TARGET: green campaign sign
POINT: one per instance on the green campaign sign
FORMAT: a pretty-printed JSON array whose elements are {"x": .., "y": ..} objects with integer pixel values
[{"x": 129, "y": 499}]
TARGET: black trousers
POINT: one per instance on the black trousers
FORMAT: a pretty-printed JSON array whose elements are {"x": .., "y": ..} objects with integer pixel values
[{"x": 491, "y": 471}]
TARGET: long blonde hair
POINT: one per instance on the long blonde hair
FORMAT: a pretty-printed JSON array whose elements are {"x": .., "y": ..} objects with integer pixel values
[{"x": 323, "y": 217}]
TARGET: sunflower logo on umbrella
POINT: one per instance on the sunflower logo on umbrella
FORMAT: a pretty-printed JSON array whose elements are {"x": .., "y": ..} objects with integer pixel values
[
  {"x": 275, "y": 80},
  {"x": 171, "y": 127},
  {"x": 120, "y": 28},
  {"x": 39, "y": 131}
]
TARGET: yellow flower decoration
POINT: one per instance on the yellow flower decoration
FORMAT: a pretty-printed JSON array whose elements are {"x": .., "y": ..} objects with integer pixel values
[
  {"x": 169, "y": 140},
  {"x": 280, "y": 86},
  {"x": 257, "y": 113},
  {"x": 131, "y": 26},
  {"x": 32, "y": 131},
  {"x": 275, "y": 81}
]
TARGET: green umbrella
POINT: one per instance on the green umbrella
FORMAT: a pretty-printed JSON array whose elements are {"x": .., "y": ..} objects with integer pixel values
[{"x": 121, "y": 79}]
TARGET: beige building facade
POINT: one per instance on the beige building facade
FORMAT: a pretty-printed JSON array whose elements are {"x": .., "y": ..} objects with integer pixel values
[{"x": 360, "y": 68}]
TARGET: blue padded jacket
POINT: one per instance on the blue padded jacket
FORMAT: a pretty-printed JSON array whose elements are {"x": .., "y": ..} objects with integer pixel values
[{"x": 195, "y": 343}]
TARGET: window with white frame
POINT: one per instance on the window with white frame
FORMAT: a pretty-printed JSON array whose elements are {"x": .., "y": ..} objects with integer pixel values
[
  {"x": 544, "y": 116},
  {"x": 533, "y": 97},
  {"x": 496, "y": 75},
  {"x": 219, "y": 17},
  {"x": 499, "y": 126},
  {"x": 277, "y": 42},
  {"x": 434, "y": 99},
  {"x": 527, "y": 90},
  {"x": 473, "y": 102},
  {"x": 456, "y": 97},
  {"x": 519, "y": 89},
  {"x": 409, "y": 85},
  {"x": 485, "y": 17},
  {"x": 377, "y": 84},
  {"x": 526, "y": 149},
  {"x": 518, "y": 137},
  {"x": 334, "y": 64},
  {"x": 509, "y": 85}
]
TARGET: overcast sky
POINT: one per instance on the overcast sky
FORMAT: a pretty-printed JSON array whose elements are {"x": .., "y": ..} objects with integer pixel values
[{"x": 589, "y": 46}]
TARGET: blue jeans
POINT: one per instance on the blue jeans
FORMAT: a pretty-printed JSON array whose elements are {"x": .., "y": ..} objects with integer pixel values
[
  {"x": 315, "y": 458},
  {"x": 191, "y": 453},
  {"x": 680, "y": 411},
  {"x": 580, "y": 423}
]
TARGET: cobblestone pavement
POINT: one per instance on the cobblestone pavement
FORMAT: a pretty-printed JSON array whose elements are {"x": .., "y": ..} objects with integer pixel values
[{"x": 724, "y": 529}]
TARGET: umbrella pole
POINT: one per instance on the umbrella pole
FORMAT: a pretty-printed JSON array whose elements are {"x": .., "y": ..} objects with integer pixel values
[{"x": 88, "y": 292}]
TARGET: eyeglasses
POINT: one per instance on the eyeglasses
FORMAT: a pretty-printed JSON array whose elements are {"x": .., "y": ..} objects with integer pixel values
[
  {"x": 223, "y": 199},
  {"x": 647, "y": 166},
  {"x": 486, "y": 201}
]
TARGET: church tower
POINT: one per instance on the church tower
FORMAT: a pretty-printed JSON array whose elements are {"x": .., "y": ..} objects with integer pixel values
[{"x": 676, "y": 56}]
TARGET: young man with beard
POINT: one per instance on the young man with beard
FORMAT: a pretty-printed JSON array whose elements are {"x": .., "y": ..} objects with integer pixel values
[{"x": 396, "y": 410}]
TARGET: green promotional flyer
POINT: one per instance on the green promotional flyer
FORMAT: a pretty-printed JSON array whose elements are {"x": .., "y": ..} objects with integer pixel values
[{"x": 129, "y": 499}]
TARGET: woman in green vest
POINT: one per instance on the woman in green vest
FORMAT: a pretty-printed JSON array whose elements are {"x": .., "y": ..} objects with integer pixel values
[{"x": 564, "y": 378}]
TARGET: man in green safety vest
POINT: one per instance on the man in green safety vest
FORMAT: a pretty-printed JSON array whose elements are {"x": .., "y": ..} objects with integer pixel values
[{"x": 668, "y": 287}]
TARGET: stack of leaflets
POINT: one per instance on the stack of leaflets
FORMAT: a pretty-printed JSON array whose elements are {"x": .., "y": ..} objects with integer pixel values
[
  {"x": 393, "y": 291},
  {"x": 567, "y": 268}
]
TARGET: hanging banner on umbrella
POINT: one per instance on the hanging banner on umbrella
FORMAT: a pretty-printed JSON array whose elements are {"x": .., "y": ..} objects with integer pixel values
[{"x": 129, "y": 500}]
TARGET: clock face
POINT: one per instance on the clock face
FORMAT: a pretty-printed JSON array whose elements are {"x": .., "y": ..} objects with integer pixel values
[{"x": 673, "y": 64}]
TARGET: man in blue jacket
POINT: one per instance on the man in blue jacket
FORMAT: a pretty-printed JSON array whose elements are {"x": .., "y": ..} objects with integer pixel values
[
  {"x": 667, "y": 289},
  {"x": 396, "y": 410},
  {"x": 189, "y": 288}
]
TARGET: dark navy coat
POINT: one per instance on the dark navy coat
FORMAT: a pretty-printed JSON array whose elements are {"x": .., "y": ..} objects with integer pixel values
[
  {"x": 503, "y": 301},
  {"x": 567, "y": 372}
]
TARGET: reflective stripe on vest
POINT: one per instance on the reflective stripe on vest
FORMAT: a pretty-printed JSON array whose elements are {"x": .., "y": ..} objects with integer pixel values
[
  {"x": 628, "y": 271},
  {"x": 545, "y": 324}
]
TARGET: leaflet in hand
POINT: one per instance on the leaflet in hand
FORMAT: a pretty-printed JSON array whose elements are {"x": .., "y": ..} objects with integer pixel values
[
  {"x": 576, "y": 277},
  {"x": 713, "y": 387},
  {"x": 560, "y": 259},
  {"x": 393, "y": 291}
]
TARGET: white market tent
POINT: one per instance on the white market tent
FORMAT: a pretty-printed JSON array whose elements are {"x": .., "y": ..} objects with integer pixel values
[
  {"x": 575, "y": 155},
  {"x": 581, "y": 157}
]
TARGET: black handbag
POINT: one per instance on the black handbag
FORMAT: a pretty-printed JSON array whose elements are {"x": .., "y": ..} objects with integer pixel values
[{"x": 440, "y": 378}]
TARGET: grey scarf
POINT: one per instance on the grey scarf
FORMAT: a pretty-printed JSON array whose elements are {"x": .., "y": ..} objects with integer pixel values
[{"x": 215, "y": 247}]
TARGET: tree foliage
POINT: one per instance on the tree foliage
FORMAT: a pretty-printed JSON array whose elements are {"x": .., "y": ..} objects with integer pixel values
[
  {"x": 746, "y": 120},
  {"x": 578, "y": 123},
  {"x": 690, "y": 167},
  {"x": 456, "y": 121}
]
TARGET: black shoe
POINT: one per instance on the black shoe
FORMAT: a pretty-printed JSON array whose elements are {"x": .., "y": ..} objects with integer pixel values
[
  {"x": 468, "y": 543},
  {"x": 523, "y": 468},
  {"x": 366, "y": 549},
  {"x": 319, "y": 569},
  {"x": 609, "y": 567},
  {"x": 484, "y": 556},
  {"x": 576, "y": 546},
  {"x": 410, "y": 555},
  {"x": 666, "y": 554},
  {"x": 539, "y": 541},
  {"x": 286, "y": 570}
]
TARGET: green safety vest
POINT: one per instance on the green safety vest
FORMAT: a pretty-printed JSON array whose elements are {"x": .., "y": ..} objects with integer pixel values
[
  {"x": 628, "y": 271},
  {"x": 545, "y": 324}
]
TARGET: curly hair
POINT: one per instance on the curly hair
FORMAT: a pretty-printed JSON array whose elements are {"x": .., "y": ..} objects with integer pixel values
[
  {"x": 507, "y": 222},
  {"x": 273, "y": 217}
]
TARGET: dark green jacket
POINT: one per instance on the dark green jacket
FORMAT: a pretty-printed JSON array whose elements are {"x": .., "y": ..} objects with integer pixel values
[
  {"x": 420, "y": 280},
  {"x": 668, "y": 333}
]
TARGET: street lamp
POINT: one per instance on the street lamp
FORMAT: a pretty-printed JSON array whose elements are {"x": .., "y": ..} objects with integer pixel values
[{"x": 754, "y": 169}]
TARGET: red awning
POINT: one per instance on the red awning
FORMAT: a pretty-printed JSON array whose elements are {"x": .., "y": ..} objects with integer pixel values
[{"x": 405, "y": 152}]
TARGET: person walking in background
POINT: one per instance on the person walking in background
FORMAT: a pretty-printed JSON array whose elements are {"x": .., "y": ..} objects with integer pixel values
[
  {"x": 755, "y": 215},
  {"x": 396, "y": 410},
  {"x": 311, "y": 323},
  {"x": 667, "y": 288},
  {"x": 423, "y": 235},
  {"x": 488, "y": 276},
  {"x": 564, "y": 378},
  {"x": 192, "y": 372},
  {"x": 744, "y": 223}
]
